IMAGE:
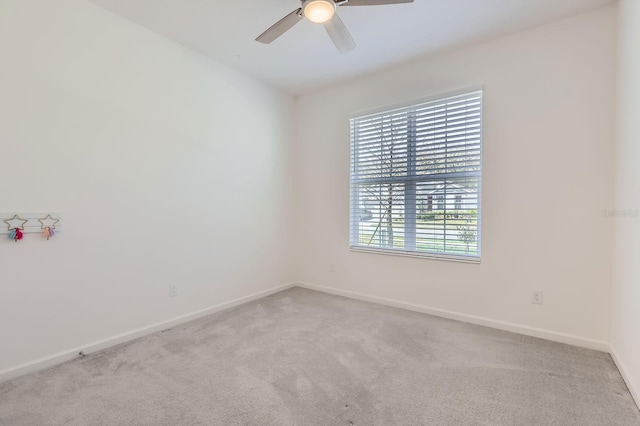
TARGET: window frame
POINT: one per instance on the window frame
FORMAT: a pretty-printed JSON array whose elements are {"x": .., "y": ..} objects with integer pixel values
[{"x": 354, "y": 195}]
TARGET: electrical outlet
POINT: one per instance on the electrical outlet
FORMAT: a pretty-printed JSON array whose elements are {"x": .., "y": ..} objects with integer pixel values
[
  {"x": 173, "y": 290},
  {"x": 332, "y": 268},
  {"x": 537, "y": 297}
]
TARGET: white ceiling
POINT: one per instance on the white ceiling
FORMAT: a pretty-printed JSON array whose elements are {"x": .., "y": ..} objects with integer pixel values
[{"x": 304, "y": 58}]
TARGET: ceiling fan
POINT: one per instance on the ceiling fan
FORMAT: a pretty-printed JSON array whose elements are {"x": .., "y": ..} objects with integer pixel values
[{"x": 322, "y": 12}]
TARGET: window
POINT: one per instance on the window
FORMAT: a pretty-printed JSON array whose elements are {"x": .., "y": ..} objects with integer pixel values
[{"x": 415, "y": 178}]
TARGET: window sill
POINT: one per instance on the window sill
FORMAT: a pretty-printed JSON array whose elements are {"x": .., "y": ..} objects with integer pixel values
[{"x": 433, "y": 256}]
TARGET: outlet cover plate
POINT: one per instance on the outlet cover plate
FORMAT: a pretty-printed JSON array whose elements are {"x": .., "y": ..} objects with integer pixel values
[
  {"x": 537, "y": 297},
  {"x": 173, "y": 290}
]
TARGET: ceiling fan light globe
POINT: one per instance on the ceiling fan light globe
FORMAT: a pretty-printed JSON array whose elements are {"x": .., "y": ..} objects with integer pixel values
[{"x": 319, "y": 11}]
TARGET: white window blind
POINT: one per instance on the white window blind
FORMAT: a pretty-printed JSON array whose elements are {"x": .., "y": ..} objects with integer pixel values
[{"x": 415, "y": 178}]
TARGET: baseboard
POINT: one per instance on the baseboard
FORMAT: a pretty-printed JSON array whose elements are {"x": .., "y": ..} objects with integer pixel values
[
  {"x": 67, "y": 355},
  {"x": 627, "y": 379},
  {"x": 472, "y": 319},
  {"x": 72, "y": 353}
]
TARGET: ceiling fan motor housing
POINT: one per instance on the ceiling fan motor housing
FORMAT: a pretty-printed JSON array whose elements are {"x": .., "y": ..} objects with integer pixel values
[{"x": 318, "y": 11}]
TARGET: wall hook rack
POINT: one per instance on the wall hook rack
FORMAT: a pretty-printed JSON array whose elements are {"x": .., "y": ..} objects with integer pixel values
[{"x": 30, "y": 223}]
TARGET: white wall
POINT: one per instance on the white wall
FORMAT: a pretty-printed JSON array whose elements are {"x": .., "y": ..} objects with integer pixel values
[
  {"x": 549, "y": 125},
  {"x": 167, "y": 168},
  {"x": 625, "y": 338}
]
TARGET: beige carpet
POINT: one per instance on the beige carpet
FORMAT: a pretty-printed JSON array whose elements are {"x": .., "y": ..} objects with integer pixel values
[{"x": 305, "y": 358}]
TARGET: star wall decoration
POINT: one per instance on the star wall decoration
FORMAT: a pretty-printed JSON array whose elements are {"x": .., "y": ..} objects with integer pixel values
[
  {"x": 15, "y": 222},
  {"x": 48, "y": 222}
]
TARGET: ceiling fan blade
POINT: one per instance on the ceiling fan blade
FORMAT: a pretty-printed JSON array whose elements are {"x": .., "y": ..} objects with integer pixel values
[
  {"x": 339, "y": 34},
  {"x": 281, "y": 27},
  {"x": 372, "y": 2}
]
